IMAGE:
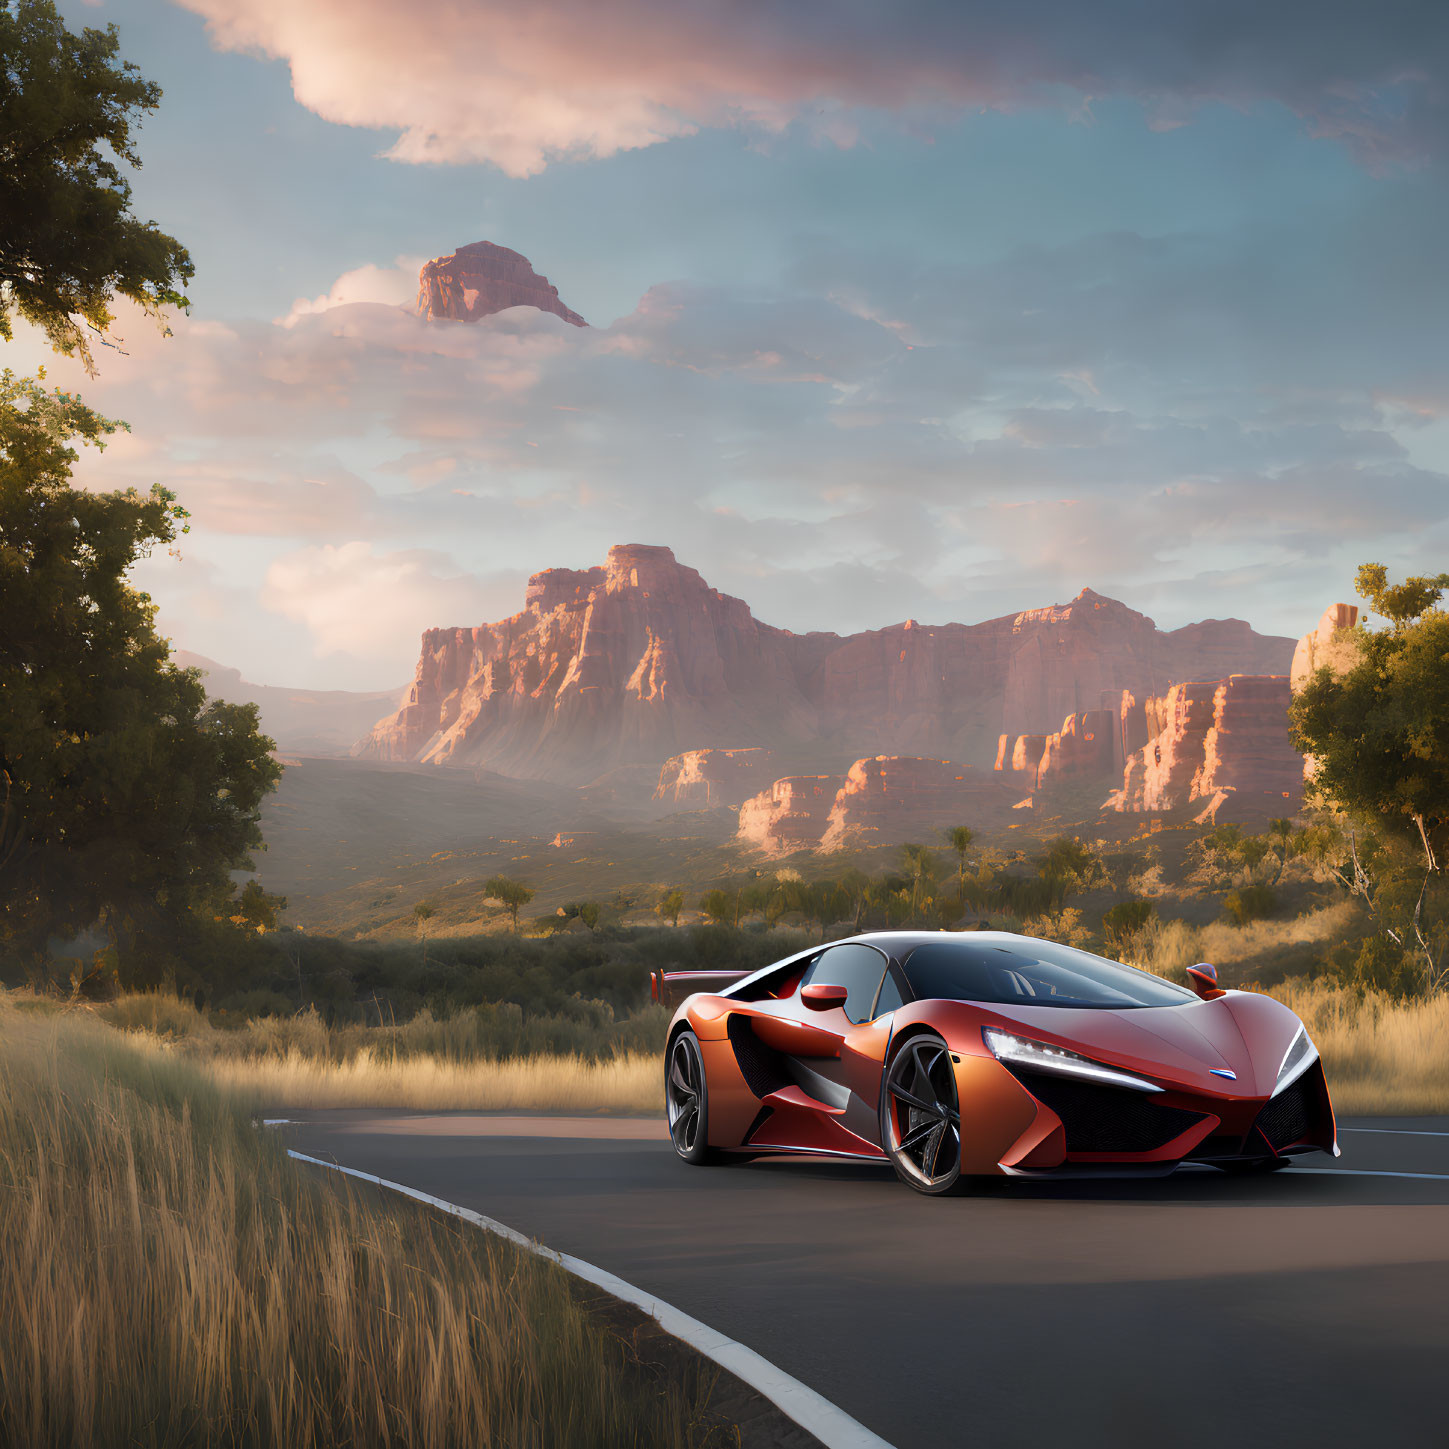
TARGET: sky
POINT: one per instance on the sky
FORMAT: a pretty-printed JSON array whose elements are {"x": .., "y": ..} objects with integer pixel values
[{"x": 929, "y": 309}]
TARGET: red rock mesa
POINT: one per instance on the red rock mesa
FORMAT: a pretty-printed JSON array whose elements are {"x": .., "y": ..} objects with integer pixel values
[
  {"x": 1221, "y": 746},
  {"x": 638, "y": 660},
  {"x": 1085, "y": 746},
  {"x": 482, "y": 278},
  {"x": 702, "y": 778}
]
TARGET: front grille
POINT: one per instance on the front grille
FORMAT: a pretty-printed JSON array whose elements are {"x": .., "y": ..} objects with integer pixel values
[
  {"x": 762, "y": 1068},
  {"x": 1288, "y": 1117},
  {"x": 1107, "y": 1119}
]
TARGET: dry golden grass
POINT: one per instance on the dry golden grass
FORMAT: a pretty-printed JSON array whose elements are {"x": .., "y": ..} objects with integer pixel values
[
  {"x": 169, "y": 1278},
  {"x": 626, "y": 1084},
  {"x": 1268, "y": 949},
  {"x": 1381, "y": 1055}
]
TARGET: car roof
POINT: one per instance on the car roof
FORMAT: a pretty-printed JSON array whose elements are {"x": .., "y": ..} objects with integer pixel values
[{"x": 896, "y": 944}]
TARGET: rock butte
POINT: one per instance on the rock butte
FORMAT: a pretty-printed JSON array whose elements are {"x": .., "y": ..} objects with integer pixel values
[
  {"x": 882, "y": 800},
  {"x": 482, "y": 278},
  {"x": 638, "y": 660},
  {"x": 1222, "y": 746},
  {"x": 699, "y": 779}
]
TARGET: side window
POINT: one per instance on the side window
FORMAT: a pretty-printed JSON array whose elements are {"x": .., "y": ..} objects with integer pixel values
[
  {"x": 890, "y": 995},
  {"x": 858, "y": 969}
]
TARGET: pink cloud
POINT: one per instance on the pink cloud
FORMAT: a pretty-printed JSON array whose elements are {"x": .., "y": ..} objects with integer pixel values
[
  {"x": 394, "y": 286},
  {"x": 355, "y": 600},
  {"x": 521, "y": 85}
]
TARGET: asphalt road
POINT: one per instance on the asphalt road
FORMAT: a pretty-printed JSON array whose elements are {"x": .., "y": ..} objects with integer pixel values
[{"x": 1306, "y": 1308}]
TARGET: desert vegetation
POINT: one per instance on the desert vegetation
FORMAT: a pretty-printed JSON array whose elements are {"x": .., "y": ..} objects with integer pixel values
[{"x": 171, "y": 1278}]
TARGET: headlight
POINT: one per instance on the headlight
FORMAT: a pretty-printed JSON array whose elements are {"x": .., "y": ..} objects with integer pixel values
[
  {"x": 1027, "y": 1053},
  {"x": 1301, "y": 1055}
]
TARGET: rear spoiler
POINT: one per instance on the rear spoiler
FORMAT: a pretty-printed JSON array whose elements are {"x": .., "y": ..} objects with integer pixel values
[{"x": 671, "y": 987}]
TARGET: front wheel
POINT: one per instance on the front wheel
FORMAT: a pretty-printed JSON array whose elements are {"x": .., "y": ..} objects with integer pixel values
[
  {"x": 686, "y": 1097},
  {"x": 920, "y": 1117}
]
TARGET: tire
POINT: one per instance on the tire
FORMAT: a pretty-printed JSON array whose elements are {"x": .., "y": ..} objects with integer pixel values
[
  {"x": 686, "y": 1098},
  {"x": 920, "y": 1117}
]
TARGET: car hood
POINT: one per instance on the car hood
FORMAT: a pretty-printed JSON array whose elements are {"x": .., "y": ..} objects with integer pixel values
[{"x": 1237, "y": 1032}]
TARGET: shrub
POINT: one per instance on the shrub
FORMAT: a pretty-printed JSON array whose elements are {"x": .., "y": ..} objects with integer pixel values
[
  {"x": 1250, "y": 903},
  {"x": 1126, "y": 919},
  {"x": 1376, "y": 963}
]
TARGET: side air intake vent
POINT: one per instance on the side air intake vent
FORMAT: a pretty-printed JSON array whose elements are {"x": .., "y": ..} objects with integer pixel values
[
  {"x": 1288, "y": 1117},
  {"x": 762, "y": 1067},
  {"x": 1107, "y": 1119}
]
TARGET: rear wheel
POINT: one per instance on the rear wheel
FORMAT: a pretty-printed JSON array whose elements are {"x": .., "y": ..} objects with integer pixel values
[
  {"x": 920, "y": 1117},
  {"x": 686, "y": 1096}
]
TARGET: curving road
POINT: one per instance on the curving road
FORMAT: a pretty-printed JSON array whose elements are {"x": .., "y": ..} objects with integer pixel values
[{"x": 1307, "y": 1308}]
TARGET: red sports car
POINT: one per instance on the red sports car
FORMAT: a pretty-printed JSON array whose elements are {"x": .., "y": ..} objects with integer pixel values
[{"x": 961, "y": 1055}]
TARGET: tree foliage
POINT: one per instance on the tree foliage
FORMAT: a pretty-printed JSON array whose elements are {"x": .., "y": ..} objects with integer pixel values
[
  {"x": 126, "y": 796},
  {"x": 512, "y": 895},
  {"x": 1379, "y": 737},
  {"x": 69, "y": 244}
]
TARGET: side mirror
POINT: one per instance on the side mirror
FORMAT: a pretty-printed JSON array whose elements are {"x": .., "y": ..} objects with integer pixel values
[
  {"x": 1203, "y": 978},
  {"x": 821, "y": 996}
]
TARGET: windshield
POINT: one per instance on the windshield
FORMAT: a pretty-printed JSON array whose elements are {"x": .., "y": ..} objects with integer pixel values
[{"x": 1033, "y": 973}]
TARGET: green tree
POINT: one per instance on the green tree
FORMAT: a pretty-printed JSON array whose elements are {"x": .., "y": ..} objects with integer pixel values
[
  {"x": 512, "y": 895},
  {"x": 126, "y": 796},
  {"x": 959, "y": 838},
  {"x": 1401, "y": 604},
  {"x": 69, "y": 244},
  {"x": 1379, "y": 737},
  {"x": 670, "y": 904},
  {"x": 718, "y": 905},
  {"x": 918, "y": 864}
]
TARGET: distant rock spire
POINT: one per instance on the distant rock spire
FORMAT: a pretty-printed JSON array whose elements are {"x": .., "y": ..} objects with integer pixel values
[{"x": 482, "y": 278}]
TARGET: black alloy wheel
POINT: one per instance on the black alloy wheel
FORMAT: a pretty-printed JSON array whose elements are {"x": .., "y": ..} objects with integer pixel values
[
  {"x": 921, "y": 1117},
  {"x": 686, "y": 1096}
]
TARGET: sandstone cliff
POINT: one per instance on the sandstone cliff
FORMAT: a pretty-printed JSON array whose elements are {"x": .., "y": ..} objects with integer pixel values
[
  {"x": 699, "y": 779},
  {"x": 640, "y": 659},
  {"x": 482, "y": 278},
  {"x": 882, "y": 800},
  {"x": 792, "y": 814},
  {"x": 1332, "y": 645},
  {"x": 1085, "y": 746},
  {"x": 1220, "y": 747}
]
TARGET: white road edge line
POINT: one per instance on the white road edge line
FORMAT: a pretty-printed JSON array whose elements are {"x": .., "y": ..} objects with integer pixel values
[
  {"x": 1395, "y": 1131},
  {"x": 832, "y": 1426},
  {"x": 1364, "y": 1172}
]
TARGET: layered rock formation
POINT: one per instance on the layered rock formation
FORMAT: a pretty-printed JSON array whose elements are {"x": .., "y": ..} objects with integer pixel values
[
  {"x": 1221, "y": 747},
  {"x": 1332, "y": 645},
  {"x": 888, "y": 799},
  {"x": 1084, "y": 747},
  {"x": 699, "y": 779},
  {"x": 793, "y": 814},
  {"x": 882, "y": 800},
  {"x": 640, "y": 659},
  {"x": 483, "y": 278}
]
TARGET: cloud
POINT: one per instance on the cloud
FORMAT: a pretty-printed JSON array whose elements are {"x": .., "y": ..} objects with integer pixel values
[
  {"x": 354, "y": 600},
  {"x": 394, "y": 286},
  {"x": 869, "y": 439},
  {"x": 523, "y": 86}
]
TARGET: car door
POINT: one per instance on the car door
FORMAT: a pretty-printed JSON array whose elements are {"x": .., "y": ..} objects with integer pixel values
[{"x": 849, "y": 1080}]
